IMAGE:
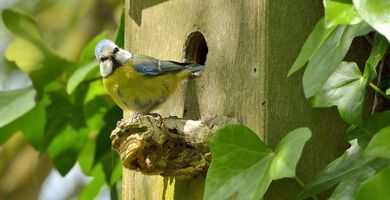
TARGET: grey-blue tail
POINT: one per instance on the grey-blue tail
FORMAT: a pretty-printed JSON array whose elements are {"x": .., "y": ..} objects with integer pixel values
[{"x": 196, "y": 68}]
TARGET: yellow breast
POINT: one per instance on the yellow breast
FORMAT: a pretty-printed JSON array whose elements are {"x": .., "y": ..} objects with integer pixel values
[{"x": 133, "y": 91}]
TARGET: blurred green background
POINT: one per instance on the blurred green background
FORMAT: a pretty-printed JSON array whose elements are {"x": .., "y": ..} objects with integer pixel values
[{"x": 55, "y": 118}]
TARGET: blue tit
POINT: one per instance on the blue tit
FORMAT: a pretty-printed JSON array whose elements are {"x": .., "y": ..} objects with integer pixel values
[{"x": 139, "y": 83}]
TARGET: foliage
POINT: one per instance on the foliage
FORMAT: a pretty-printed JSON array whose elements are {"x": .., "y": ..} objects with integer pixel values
[
  {"x": 65, "y": 113},
  {"x": 329, "y": 81},
  {"x": 243, "y": 166}
]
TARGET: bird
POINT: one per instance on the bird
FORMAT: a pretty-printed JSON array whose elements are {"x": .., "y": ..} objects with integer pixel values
[{"x": 139, "y": 83}]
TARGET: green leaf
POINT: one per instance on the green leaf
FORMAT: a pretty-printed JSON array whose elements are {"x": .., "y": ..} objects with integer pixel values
[
  {"x": 288, "y": 152},
  {"x": 388, "y": 91},
  {"x": 243, "y": 166},
  {"x": 120, "y": 34},
  {"x": 29, "y": 51},
  {"x": 238, "y": 157},
  {"x": 351, "y": 162},
  {"x": 379, "y": 145},
  {"x": 380, "y": 47},
  {"x": 89, "y": 50},
  {"x": 345, "y": 89},
  {"x": 103, "y": 141},
  {"x": 371, "y": 126},
  {"x": 83, "y": 73},
  {"x": 109, "y": 163},
  {"x": 375, "y": 188},
  {"x": 346, "y": 189},
  {"x": 60, "y": 114},
  {"x": 93, "y": 188},
  {"x": 88, "y": 66},
  {"x": 312, "y": 43},
  {"x": 340, "y": 12},
  {"x": 375, "y": 13},
  {"x": 66, "y": 147},
  {"x": 15, "y": 103},
  {"x": 32, "y": 124},
  {"x": 329, "y": 56}
]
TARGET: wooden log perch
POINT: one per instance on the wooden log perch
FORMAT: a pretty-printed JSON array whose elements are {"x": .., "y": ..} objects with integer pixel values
[{"x": 167, "y": 147}]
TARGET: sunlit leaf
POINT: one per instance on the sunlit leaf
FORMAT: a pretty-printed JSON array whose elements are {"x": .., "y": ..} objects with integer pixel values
[
  {"x": 29, "y": 51},
  {"x": 243, "y": 166},
  {"x": 329, "y": 55},
  {"x": 379, "y": 145},
  {"x": 15, "y": 103},
  {"x": 288, "y": 152},
  {"x": 32, "y": 124},
  {"x": 375, "y": 13},
  {"x": 88, "y": 66},
  {"x": 345, "y": 88},
  {"x": 312, "y": 43},
  {"x": 83, "y": 73},
  {"x": 88, "y": 54},
  {"x": 340, "y": 12},
  {"x": 375, "y": 188}
]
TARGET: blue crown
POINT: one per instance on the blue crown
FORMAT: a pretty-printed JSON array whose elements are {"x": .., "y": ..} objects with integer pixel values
[{"x": 101, "y": 44}]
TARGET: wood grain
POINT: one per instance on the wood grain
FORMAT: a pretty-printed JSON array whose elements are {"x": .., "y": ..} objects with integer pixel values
[{"x": 251, "y": 46}]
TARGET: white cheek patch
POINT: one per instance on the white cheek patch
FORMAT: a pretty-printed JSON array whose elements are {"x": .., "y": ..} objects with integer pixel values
[
  {"x": 122, "y": 56},
  {"x": 106, "y": 68}
]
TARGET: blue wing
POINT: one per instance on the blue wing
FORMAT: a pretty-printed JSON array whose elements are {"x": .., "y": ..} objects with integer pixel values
[{"x": 153, "y": 67}]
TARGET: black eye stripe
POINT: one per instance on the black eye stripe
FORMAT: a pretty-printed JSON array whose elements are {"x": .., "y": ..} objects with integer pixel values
[
  {"x": 116, "y": 50},
  {"x": 103, "y": 59}
]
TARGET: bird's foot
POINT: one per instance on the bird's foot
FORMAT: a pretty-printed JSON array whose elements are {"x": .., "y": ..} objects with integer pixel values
[{"x": 139, "y": 114}]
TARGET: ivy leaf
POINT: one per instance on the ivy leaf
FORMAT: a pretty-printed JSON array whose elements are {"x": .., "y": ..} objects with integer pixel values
[
  {"x": 346, "y": 189},
  {"x": 288, "y": 152},
  {"x": 376, "y": 188},
  {"x": 65, "y": 148},
  {"x": 312, "y": 43},
  {"x": 243, "y": 166},
  {"x": 340, "y": 12},
  {"x": 351, "y": 162},
  {"x": 15, "y": 103},
  {"x": 345, "y": 88},
  {"x": 371, "y": 126},
  {"x": 380, "y": 47},
  {"x": 328, "y": 57},
  {"x": 238, "y": 156},
  {"x": 379, "y": 145},
  {"x": 375, "y": 13},
  {"x": 29, "y": 51}
]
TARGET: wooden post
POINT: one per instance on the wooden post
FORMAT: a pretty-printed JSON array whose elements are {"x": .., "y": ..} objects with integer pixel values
[{"x": 250, "y": 47}]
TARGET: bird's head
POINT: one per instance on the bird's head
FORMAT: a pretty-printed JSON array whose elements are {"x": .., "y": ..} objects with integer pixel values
[{"x": 110, "y": 56}]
